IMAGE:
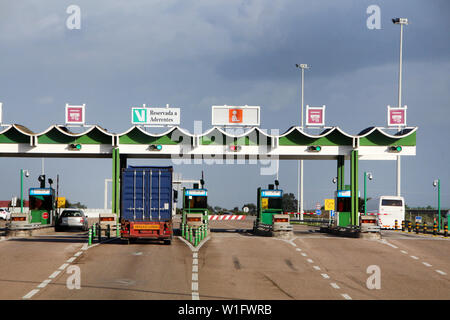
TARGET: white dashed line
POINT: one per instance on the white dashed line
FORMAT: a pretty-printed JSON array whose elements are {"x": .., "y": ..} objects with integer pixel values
[
  {"x": 194, "y": 268},
  {"x": 30, "y": 294},
  {"x": 346, "y": 296},
  {"x": 195, "y": 277},
  {"x": 403, "y": 251},
  {"x": 44, "y": 283},
  {"x": 310, "y": 260},
  {"x": 298, "y": 249},
  {"x": 194, "y": 286},
  {"x": 426, "y": 264},
  {"x": 334, "y": 285},
  {"x": 79, "y": 253},
  {"x": 63, "y": 266},
  {"x": 71, "y": 260},
  {"x": 195, "y": 296},
  {"x": 194, "y": 261},
  {"x": 54, "y": 274},
  {"x": 195, "y": 255},
  {"x": 316, "y": 267},
  {"x": 325, "y": 276},
  {"x": 441, "y": 272},
  {"x": 304, "y": 254},
  {"x": 414, "y": 257}
]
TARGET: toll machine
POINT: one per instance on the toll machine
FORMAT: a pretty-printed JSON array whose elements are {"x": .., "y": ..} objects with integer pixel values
[
  {"x": 270, "y": 216},
  {"x": 195, "y": 206},
  {"x": 42, "y": 205},
  {"x": 343, "y": 207}
]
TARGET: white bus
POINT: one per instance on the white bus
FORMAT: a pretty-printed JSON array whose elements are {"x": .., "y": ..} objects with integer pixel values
[{"x": 388, "y": 209}]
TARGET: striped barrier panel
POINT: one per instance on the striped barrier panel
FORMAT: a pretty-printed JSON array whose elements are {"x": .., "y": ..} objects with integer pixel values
[
  {"x": 299, "y": 213},
  {"x": 226, "y": 217}
]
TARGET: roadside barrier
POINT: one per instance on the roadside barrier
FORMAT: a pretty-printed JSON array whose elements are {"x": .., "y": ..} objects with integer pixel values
[
  {"x": 424, "y": 227},
  {"x": 434, "y": 228},
  {"x": 182, "y": 230},
  {"x": 396, "y": 225},
  {"x": 403, "y": 225},
  {"x": 409, "y": 226},
  {"x": 445, "y": 230},
  {"x": 118, "y": 230},
  {"x": 417, "y": 227}
]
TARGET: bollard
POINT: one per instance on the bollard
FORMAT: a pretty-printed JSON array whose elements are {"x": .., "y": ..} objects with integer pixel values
[
  {"x": 403, "y": 225},
  {"x": 445, "y": 230},
  {"x": 90, "y": 236},
  {"x": 94, "y": 230},
  {"x": 182, "y": 230},
  {"x": 396, "y": 225},
  {"x": 108, "y": 231},
  {"x": 118, "y": 230},
  {"x": 190, "y": 234},
  {"x": 425, "y": 228},
  {"x": 417, "y": 227},
  {"x": 434, "y": 228},
  {"x": 409, "y": 226},
  {"x": 99, "y": 233}
]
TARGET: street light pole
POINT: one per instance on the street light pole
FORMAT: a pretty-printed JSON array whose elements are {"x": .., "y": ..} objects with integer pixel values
[
  {"x": 401, "y": 22},
  {"x": 22, "y": 171},
  {"x": 300, "y": 195},
  {"x": 438, "y": 184},
  {"x": 366, "y": 175}
]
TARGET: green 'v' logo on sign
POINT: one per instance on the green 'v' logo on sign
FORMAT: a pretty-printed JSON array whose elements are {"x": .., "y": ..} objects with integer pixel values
[{"x": 139, "y": 115}]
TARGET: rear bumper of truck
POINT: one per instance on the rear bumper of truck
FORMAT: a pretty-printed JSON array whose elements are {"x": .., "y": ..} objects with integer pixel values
[{"x": 157, "y": 230}]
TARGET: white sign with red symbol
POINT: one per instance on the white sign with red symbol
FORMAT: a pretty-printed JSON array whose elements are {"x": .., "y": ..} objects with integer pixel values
[
  {"x": 235, "y": 116},
  {"x": 45, "y": 215},
  {"x": 315, "y": 116},
  {"x": 396, "y": 116},
  {"x": 75, "y": 114}
]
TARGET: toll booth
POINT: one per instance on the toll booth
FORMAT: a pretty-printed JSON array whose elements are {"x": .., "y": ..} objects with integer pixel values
[
  {"x": 42, "y": 205},
  {"x": 343, "y": 207},
  {"x": 269, "y": 203},
  {"x": 195, "y": 206}
]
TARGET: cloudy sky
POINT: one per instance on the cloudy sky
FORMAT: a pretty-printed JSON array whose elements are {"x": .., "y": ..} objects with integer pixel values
[{"x": 198, "y": 53}]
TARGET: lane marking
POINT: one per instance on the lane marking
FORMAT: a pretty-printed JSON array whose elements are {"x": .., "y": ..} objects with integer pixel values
[
  {"x": 44, "y": 283},
  {"x": 304, "y": 254},
  {"x": 71, "y": 260},
  {"x": 298, "y": 249},
  {"x": 334, "y": 285},
  {"x": 441, "y": 272},
  {"x": 63, "y": 266},
  {"x": 403, "y": 251},
  {"x": 346, "y": 296},
  {"x": 195, "y": 296},
  {"x": 426, "y": 264},
  {"x": 316, "y": 267},
  {"x": 194, "y": 276},
  {"x": 54, "y": 274},
  {"x": 195, "y": 255},
  {"x": 79, "y": 253},
  {"x": 414, "y": 257},
  {"x": 194, "y": 261},
  {"x": 310, "y": 260},
  {"x": 194, "y": 286},
  {"x": 194, "y": 268},
  {"x": 30, "y": 294},
  {"x": 325, "y": 276}
]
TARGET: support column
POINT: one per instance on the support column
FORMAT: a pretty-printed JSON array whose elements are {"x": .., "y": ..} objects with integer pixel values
[
  {"x": 354, "y": 188},
  {"x": 115, "y": 181},
  {"x": 340, "y": 172}
]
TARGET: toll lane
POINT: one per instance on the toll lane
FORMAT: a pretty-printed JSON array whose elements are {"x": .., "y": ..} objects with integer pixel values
[
  {"x": 115, "y": 271},
  {"x": 26, "y": 262}
]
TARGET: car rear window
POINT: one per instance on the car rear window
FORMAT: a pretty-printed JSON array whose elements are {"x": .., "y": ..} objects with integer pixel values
[{"x": 71, "y": 214}]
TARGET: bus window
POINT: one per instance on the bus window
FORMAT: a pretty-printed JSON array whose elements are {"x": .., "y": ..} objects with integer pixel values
[{"x": 391, "y": 203}]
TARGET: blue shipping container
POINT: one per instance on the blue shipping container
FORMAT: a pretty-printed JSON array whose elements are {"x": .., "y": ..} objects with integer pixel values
[{"x": 146, "y": 193}]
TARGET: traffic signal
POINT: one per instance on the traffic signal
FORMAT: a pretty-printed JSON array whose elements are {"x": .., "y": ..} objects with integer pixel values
[
  {"x": 235, "y": 148},
  {"x": 155, "y": 147},
  {"x": 395, "y": 148},
  {"x": 75, "y": 146},
  {"x": 314, "y": 148},
  {"x": 41, "y": 179}
]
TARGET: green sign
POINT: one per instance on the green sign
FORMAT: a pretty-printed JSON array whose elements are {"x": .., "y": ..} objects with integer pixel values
[{"x": 138, "y": 115}]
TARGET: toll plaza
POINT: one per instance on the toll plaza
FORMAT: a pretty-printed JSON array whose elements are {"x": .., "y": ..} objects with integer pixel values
[{"x": 183, "y": 147}]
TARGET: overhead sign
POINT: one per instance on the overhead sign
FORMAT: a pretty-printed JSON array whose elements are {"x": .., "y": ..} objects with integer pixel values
[
  {"x": 155, "y": 116},
  {"x": 75, "y": 114},
  {"x": 329, "y": 204},
  {"x": 396, "y": 117},
  {"x": 235, "y": 115},
  {"x": 315, "y": 116}
]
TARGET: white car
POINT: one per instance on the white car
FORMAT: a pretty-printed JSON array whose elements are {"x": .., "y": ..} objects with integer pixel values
[{"x": 5, "y": 214}]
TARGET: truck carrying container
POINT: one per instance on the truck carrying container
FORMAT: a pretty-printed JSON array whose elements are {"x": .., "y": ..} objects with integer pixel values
[{"x": 146, "y": 203}]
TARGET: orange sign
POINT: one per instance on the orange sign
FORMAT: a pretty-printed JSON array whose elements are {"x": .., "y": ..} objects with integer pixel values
[{"x": 235, "y": 115}]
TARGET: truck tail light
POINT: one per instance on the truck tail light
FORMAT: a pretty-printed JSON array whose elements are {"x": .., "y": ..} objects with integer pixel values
[{"x": 18, "y": 218}]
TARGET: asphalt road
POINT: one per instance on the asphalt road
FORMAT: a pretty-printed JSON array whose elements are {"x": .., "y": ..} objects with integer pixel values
[{"x": 231, "y": 264}]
